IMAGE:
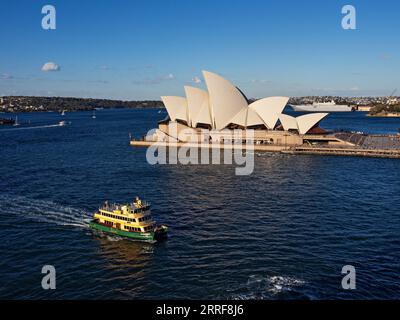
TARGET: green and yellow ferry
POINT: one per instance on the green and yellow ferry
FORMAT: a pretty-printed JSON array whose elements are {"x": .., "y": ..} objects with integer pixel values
[{"x": 131, "y": 220}]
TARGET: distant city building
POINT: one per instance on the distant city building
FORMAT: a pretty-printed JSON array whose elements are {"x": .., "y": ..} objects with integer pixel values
[{"x": 364, "y": 108}]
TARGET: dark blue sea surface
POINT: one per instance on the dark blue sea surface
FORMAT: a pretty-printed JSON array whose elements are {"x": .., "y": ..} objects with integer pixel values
[{"x": 284, "y": 232}]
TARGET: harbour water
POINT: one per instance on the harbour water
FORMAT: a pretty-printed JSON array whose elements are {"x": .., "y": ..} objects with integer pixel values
[{"x": 284, "y": 232}]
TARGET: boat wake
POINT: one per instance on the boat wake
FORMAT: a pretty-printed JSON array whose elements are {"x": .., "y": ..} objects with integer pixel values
[
  {"x": 278, "y": 284},
  {"x": 259, "y": 288},
  {"x": 44, "y": 211},
  {"x": 36, "y": 127}
]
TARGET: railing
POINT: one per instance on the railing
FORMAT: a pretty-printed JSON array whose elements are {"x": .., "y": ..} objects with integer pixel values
[{"x": 130, "y": 206}]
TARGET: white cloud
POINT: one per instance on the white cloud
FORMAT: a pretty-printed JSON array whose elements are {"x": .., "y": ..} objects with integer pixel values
[
  {"x": 6, "y": 76},
  {"x": 50, "y": 66},
  {"x": 196, "y": 80},
  {"x": 156, "y": 80},
  {"x": 169, "y": 76},
  {"x": 385, "y": 56},
  {"x": 261, "y": 81}
]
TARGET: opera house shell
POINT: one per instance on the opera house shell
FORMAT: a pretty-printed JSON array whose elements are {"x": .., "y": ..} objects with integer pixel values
[{"x": 223, "y": 106}]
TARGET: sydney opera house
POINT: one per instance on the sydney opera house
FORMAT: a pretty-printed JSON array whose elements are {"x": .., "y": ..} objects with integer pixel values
[{"x": 224, "y": 107}]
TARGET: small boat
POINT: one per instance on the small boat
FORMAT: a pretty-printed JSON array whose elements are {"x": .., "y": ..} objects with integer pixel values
[
  {"x": 131, "y": 220},
  {"x": 63, "y": 113},
  {"x": 16, "y": 123},
  {"x": 62, "y": 123},
  {"x": 6, "y": 121},
  {"x": 94, "y": 114}
]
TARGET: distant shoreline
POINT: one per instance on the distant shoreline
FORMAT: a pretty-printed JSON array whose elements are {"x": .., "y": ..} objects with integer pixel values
[
  {"x": 385, "y": 115},
  {"x": 78, "y": 110},
  {"x": 19, "y": 104}
]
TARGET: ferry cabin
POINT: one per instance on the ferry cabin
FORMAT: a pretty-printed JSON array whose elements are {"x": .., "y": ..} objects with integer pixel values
[{"x": 126, "y": 217}]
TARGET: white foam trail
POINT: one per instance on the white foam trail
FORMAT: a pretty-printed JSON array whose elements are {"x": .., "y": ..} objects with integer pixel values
[
  {"x": 37, "y": 127},
  {"x": 281, "y": 283},
  {"x": 44, "y": 211},
  {"x": 259, "y": 287}
]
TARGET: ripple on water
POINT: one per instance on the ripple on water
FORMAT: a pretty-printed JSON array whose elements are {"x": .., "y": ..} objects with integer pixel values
[{"x": 283, "y": 232}]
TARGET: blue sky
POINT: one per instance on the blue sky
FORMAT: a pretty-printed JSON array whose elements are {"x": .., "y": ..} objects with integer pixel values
[{"x": 143, "y": 49}]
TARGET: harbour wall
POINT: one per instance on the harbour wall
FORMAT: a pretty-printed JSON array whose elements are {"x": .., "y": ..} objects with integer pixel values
[{"x": 303, "y": 149}]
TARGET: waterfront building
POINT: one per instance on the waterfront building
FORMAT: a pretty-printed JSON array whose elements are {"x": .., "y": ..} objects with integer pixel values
[{"x": 224, "y": 107}]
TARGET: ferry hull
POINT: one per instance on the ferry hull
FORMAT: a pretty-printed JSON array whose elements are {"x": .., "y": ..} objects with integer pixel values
[{"x": 144, "y": 236}]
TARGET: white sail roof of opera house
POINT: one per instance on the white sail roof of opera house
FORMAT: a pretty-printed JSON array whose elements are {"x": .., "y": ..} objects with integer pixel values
[
  {"x": 288, "y": 122},
  {"x": 225, "y": 99},
  {"x": 307, "y": 121},
  {"x": 302, "y": 123},
  {"x": 269, "y": 109},
  {"x": 247, "y": 118},
  {"x": 225, "y": 104},
  {"x": 176, "y": 107},
  {"x": 198, "y": 106}
]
